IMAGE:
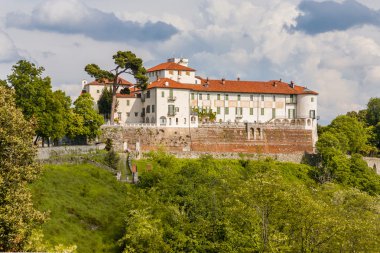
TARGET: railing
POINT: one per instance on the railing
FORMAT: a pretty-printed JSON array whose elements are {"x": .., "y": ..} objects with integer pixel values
[
  {"x": 239, "y": 116},
  {"x": 171, "y": 99},
  {"x": 291, "y": 100},
  {"x": 138, "y": 124},
  {"x": 171, "y": 114}
]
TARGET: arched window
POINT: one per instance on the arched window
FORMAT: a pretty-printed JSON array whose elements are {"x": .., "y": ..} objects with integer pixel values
[{"x": 163, "y": 121}]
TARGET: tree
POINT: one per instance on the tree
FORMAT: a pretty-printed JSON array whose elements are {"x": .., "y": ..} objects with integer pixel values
[
  {"x": 373, "y": 111},
  {"x": 105, "y": 103},
  {"x": 84, "y": 107},
  {"x": 34, "y": 96},
  {"x": 17, "y": 169},
  {"x": 126, "y": 63},
  {"x": 3, "y": 83},
  {"x": 353, "y": 130}
]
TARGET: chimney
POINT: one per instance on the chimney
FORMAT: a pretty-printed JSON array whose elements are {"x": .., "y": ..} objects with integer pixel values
[
  {"x": 166, "y": 83},
  {"x": 292, "y": 84},
  {"x": 238, "y": 78},
  {"x": 223, "y": 81},
  {"x": 207, "y": 80},
  {"x": 274, "y": 84}
]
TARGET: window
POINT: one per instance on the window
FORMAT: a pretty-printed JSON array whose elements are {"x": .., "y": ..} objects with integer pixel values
[
  {"x": 153, "y": 108},
  {"x": 274, "y": 98},
  {"x": 239, "y": 111},
  {"x": 291, "y": 113},
  {"x": 250, "y": 111},
  {"x": 238, "y": 97},
  {"x": 148, "y": 109},
  {"x": 179, "y": 72},
  {"x": 171, "y": 109},
  {"x": 312, "y": 99},
  {"x": 136, "y": 114},
  {"x": 251, "y": 97},
  {"x": 200, "y": 96},
  {"x": 192, "y": 96},
  {"x": 208, "y": 96},
  {"x": 128, "y": 114},
  {"x": 217, "y": 110},
  {"x": 170, "y": 93},
  {"x": 262, "y": 111},
  {"x": 262, "y": 97},
  {"x": 97, "y": 91},
  {"x": 273, "y": 113},
  {"x": 312, "y": 114},
  {"x": 225, "y": 96},
  {"x": 148, "y": 94},
  {"x": 177, "y": 109},
  {"x": 187, "y": 73},
  {"x": 127, "y": 102},
  {"x": 184, "y": 121},
  {"x": 162, "y": 94},
  {"x": 176, "y": 121},
  {"x": 119, "y": 115},
  {"x": 170, "y": 121},
  {"x": 226, "y": 110},
  {"x": 170, "y": 72},
  {"x": 218, "y": 97},
  {"x": 163, "y": 121}
]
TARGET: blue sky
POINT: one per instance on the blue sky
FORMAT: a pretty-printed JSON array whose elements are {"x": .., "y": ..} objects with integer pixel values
[{"x": 332, "y": 47}]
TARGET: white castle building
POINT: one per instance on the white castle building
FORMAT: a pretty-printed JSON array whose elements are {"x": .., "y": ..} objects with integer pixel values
[{"x": 175, "y": 95}]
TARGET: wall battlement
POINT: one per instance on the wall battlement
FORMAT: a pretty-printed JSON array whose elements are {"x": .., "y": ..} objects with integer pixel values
[{"x": 249, "y": 138}]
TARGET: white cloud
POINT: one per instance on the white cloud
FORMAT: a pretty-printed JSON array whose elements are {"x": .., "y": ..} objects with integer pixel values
[
  {"x": 8, "y": 51},
  {"x": 226, "y": 38}
]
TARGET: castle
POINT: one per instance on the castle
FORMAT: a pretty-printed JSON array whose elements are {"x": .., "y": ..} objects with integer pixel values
[{"x": 270, "y": 117}]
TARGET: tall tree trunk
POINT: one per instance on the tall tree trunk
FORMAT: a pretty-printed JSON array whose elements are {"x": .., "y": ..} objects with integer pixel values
[{"x": 113, "y": 105}]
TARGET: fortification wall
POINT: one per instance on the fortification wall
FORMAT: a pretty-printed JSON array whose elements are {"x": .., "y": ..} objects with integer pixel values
[
  {"x": 373, "y": 163},
  {"x": 258, "y": 140}
]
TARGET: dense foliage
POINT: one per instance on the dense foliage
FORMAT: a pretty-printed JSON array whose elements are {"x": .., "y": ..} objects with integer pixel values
[
  {"x": 17, "y": 169},
  {"x": 209, "y": 205},
  {"x": 51, "y": 110}
]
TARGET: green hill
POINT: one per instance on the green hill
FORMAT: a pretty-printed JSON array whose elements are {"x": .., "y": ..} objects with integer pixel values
[
  {"x": 85, "y": 206},
  {"x": 206, "y": 205}
]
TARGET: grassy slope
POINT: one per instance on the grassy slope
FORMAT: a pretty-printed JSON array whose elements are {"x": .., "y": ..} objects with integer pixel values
[{"x": 85, "y": 205}]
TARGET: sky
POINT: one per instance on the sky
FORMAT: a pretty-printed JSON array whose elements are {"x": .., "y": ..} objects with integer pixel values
[{"x": 332, "y": 47}]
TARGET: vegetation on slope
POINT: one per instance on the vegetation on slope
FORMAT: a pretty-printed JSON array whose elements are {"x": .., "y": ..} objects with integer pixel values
[
  {"x": 85, "y": 206},
  {"x": 206, "y": 205},
  {"x": 209, "y": 205}
]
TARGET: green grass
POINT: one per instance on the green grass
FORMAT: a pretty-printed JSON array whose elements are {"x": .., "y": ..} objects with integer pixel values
[{"x": 85, "y": 206}]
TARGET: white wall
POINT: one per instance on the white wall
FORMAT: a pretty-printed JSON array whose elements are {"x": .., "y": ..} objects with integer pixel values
[
  {"x": 180, "y": 100},
  {"x": 134, "y": 110},
  {"x": 178, "y": 76}
]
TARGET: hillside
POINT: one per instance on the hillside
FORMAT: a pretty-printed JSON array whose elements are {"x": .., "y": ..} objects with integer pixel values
[
  {"x": 85, "y": 206},
  {"x": 206, "y": 205}
]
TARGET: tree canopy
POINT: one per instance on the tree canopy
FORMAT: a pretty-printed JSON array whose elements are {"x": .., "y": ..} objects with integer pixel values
[
  {"x": 84, "y": 108},
  {"x": 34, "y": 96},
  {"x": 126, "y": 63},
  {"x": 17, "y": 168}
]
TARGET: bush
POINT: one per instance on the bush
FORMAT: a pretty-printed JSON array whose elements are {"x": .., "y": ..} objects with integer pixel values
[{"x": 112, "y": 159}]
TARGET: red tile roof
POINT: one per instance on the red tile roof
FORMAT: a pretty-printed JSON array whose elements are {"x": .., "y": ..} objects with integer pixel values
[
  {"x": 108, "y": 82},
  {"x": 131, "y": 95},
  {"x": 170, "y": 66},
  {"x": 234, "y": 86}
]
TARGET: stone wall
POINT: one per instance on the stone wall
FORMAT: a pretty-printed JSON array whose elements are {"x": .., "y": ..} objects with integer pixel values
[
  {"x": 373, "y": 163},
  {"x": 233, "y": 139},
  {"x": 47, "y": 152}
]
